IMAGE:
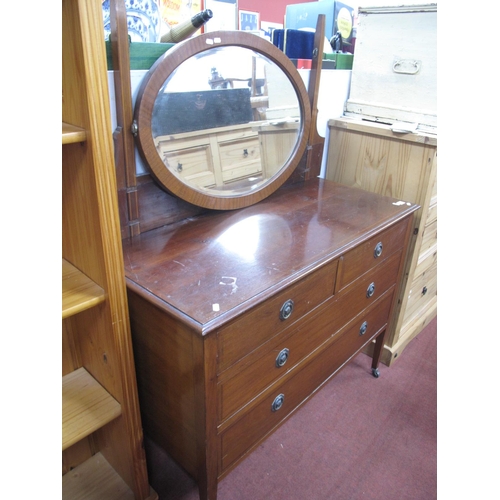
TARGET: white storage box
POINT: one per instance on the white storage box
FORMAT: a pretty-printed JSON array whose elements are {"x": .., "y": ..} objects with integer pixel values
[{"x": 394, "y": 74}]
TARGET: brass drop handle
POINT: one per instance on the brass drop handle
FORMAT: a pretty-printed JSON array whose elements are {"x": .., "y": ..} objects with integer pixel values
[
  {"x": 378, "y": 250},
  {"x": 286, "y": 310},
  {"x": 370, "y": 290},
  {"x": 363, "y": 328},
  {"x": 278, "y": 402},
  {"x": 282, "y": 357}
]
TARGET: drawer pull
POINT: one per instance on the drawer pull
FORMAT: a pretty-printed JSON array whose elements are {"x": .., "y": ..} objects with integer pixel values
[
  {"x": 363, "y": 328},
  {"x": 179, "y": 167},
  {"x": 286, "y": 310},
  {"x": 378, "y": 250},
  {"x": 278, "y": 402},
  {"x": 282, "y": 357},
  {"x": 424, "y": 290},
  {"x": 370, "y": 290}
]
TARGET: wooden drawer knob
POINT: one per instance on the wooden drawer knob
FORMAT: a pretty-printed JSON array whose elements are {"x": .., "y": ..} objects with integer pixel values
[
  {"x": 370, "y": 290},
  {"x": 286, "y": 310},
  {"x": 378, "y": 250},
  {"x": 282, "y": 357},
  {"x": 278, "y": 402}
]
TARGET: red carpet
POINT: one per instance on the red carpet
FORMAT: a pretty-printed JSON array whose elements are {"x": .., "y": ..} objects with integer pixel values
[{"x": 359, "y": 438}]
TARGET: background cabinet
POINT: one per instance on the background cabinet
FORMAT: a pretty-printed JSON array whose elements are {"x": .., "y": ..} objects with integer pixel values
[
  {"x": 371, "y": 156},
  {"x": 214, "y": 157},
  {"x": 103, "y": 454}
]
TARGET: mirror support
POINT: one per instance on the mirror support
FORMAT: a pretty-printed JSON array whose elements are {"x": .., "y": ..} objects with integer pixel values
[
  {"x": 316, "y": 142},
  {"x": 123, "y": 139},
  {"x": 310, "y": 164}
]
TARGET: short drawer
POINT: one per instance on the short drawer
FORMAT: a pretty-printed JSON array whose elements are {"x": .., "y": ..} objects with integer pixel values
[
  {"x": 284, "y": 398},
  {"x": 429, "y": 238},
  {"x": 239, "y": 387},
  {"x": 240, "y": 158},
  {"x": 266, "y": 320},
  {"x": 194, "y": 165},
  {"x": 368, "y": 254},
  {"x": 424, "y": 286}
]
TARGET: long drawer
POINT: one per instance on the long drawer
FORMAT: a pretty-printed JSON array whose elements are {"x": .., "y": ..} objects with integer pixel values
[
  {"x": 277, "y": 404},
  {"x": 238, "y": 387},
  {"x": 265, "y": 321}
]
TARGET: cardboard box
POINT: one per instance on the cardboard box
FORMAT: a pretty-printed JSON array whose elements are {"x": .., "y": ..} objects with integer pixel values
[
  {"x": 339, "y": 16},
  {"x": 394, "y": 72}
]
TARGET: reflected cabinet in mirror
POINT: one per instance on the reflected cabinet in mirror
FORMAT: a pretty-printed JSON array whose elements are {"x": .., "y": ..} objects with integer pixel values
[{"x": 222, "y": 119}]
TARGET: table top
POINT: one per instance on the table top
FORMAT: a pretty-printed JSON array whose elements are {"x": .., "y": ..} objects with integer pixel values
[{"x": 209, "y": 269}]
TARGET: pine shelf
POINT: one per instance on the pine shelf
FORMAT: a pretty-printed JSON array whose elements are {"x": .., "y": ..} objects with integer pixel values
[
  {"x": 78, "y": 291},
  {"x": 72, "y": 134},
  {"x": 86, "y": 407},
  {"x": 95, "y": 479}
]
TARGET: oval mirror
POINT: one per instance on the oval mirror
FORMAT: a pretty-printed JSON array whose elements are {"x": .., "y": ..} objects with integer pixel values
[{"x": 222, "y": 119}]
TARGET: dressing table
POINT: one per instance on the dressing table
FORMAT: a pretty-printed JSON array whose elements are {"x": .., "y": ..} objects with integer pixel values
[{"x": 241, "y": 312}]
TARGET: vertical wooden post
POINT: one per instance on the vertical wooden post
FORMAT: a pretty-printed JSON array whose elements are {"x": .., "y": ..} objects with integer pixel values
[{"x": 124, "y": 141}]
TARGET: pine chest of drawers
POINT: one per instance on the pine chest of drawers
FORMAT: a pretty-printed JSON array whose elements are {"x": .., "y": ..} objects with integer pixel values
[{"x": 239, "y": 317}]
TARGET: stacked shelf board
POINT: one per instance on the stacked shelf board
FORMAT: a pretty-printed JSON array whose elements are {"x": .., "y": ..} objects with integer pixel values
[{"x": 102, "y": 440}]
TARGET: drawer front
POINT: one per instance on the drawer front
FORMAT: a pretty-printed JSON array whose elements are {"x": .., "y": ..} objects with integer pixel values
[
  {"x": 265, "y": 321},
  {"x": 275, "y": 406},
  {"x": 429, "y": 237},
  {"x": 431, "y": 214},
  {"x": 281, "y": 356},
  {"x": 240, "y": 158},
  {"x": 424, "y": 286},
  {"x": 368, "y": 254},
  {"x": 194, "y": 165}
]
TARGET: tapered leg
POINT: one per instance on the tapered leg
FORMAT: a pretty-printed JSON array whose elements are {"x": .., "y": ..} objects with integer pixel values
[{"x": 379, "y": 344}]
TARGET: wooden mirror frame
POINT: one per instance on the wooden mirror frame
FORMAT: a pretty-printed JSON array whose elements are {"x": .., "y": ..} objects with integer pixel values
[{"x": 154, "y": 81}]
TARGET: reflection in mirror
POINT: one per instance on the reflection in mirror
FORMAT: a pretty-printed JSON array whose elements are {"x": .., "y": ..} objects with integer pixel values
[{"x": 226, "y": 121}]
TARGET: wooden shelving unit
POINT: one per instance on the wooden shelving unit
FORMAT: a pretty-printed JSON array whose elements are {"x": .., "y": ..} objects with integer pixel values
[{"x": 102, "y": 440}]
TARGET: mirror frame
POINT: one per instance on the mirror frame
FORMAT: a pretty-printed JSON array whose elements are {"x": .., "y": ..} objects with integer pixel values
[{"x": 154, "y": 81}]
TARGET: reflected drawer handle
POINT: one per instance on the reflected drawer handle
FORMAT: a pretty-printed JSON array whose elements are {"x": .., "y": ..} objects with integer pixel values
[
  {"x": 363, "y": 328},
  {"x": 282, "y": 357},
  {"x": 278, "y": 402},
  {"x": 286, "y": 310},
  {"x": 370, "y": 290},
  {"x": 378, "y": 249}
]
